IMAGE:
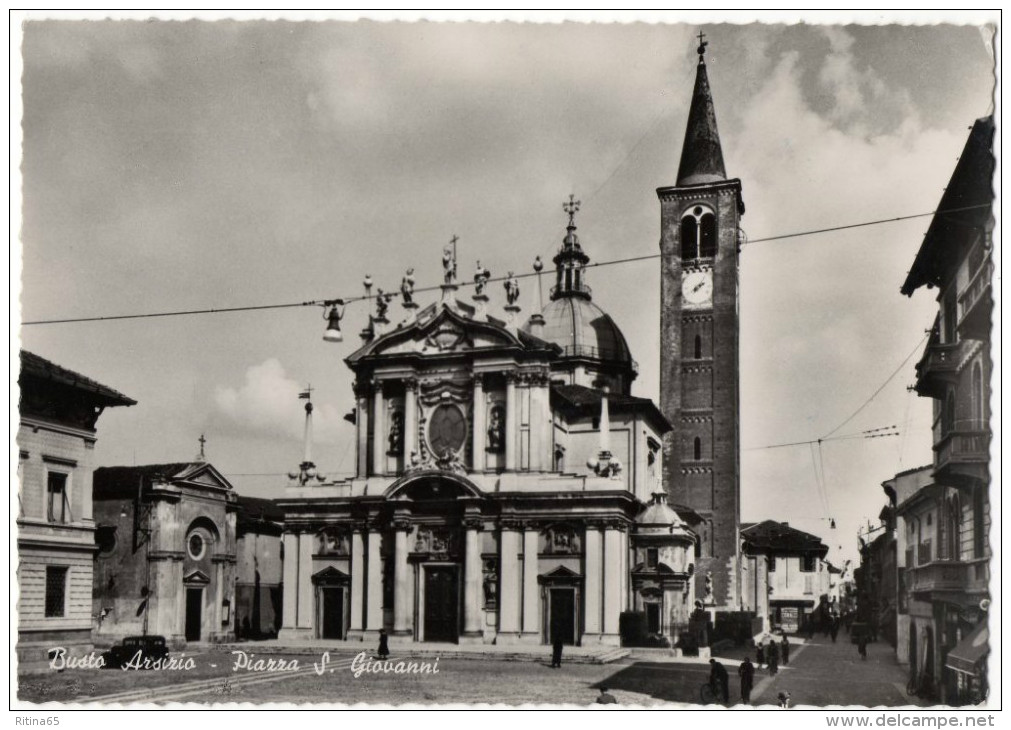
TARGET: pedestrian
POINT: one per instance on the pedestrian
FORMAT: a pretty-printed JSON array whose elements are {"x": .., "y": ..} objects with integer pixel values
[
  {"x": 862, "y": 646},
  {"x": 760, "y": 653},
  {"x": 785, "y": 650},
  {"x": 384, "y": 644},
  {"x": 606, "y": 698},
  {"x": 772, "y": 656},
  {"x": 835, "y": 629},
  {"x": 747, "y": 674},
  {"x": 784, "y": 700},
  {"x": 556, "y": 652},
  {"x": 719, "y": 680},
  {"x": 810, "y": 629}
]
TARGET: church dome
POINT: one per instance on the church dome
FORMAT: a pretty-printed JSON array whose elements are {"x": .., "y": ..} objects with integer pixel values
[
  {"x": 582, "y": 329},
  {"x": 659, "y": 514}
]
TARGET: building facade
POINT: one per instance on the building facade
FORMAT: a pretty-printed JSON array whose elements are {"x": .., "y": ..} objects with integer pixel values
[
  {"x": 59, "y": 410},
  {"x": 699, "y": 334},
  {"x": 786, "y": 572},
  {"x": 166, "y": 560},
  {"x": 949, "y": 519},
  {"x": 258, "y": 569},
  {"x": 502, "y": 467}
]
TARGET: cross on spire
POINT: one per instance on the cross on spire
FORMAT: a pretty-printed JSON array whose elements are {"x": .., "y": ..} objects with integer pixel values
[
  {"x": 571, "y": 207},
  {"x": 702, "y": 45},
  {"x": 202, "y": 441},
  {"x": 307, "y": 393}
]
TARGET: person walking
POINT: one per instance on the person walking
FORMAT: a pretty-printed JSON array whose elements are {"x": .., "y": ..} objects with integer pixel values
[
  {"x": 747, "y": 674},
  {"x": 835, "y": 628},
  {"x": 772, "y": 656},
  {"x": 556, "y": 652},
  {"x": 785, "y": 650},
  {"x": 862, "y": 646},
  {"x": 719, "y": 680},
  {"x": 384, "y": 644},
  {"x": 760, "y": 653}
]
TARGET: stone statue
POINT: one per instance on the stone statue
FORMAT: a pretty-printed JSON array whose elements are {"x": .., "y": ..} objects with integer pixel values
[
  {"x": 396, "y": 436},
  {"x": 382, "y": 304},
  {"x": 449, "y": 265},
  {"x": 407, "y": 287},
  {"x": 709, "y": 588},
  {"x": 512, "y": 287},
  {"x": 481, "y": 277},
  {"x": 496, "y": 429}
]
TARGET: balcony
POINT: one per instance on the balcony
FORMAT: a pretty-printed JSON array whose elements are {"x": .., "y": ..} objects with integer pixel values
[
  {"x": 975, "y": 304},
  {"x": 948, "y": 576},
  {"x": 937, "y": 368},
  {"x": 962, "y": 457}
]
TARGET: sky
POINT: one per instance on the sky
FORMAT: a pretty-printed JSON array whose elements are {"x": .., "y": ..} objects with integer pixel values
[{"x": 192, "y": 165}]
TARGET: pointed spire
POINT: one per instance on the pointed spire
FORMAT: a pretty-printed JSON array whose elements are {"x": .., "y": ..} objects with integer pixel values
[{"x": 701, "y": 155}]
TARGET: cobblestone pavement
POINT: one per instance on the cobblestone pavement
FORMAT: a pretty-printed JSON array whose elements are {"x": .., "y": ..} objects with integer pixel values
[{"x": 824, "y": 674}]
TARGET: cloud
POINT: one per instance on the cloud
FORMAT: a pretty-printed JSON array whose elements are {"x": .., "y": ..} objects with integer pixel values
[{"x": 267, "y": 404}]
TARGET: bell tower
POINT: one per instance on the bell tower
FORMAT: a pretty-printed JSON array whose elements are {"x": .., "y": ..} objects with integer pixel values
[{"x": 699, "y": 360}]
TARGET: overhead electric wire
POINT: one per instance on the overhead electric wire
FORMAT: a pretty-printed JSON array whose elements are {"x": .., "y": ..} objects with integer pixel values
[{"x": 348, "y": 300}]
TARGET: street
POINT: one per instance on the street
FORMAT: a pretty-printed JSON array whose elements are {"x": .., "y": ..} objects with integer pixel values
[{"x": 820, "y": 673}]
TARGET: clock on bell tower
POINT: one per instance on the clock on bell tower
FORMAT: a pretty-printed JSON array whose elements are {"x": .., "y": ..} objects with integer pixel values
[{"x": 699, "y": 375}]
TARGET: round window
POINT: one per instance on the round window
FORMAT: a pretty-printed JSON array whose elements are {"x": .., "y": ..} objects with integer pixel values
[
  {"x": 447, "y": 430},
  {"x": 197, "y": 546}
]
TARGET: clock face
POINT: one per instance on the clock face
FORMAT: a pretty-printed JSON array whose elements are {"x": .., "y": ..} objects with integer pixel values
[
  {"x": 697, "y": 288},
  {"x": 447, "y": 430}
]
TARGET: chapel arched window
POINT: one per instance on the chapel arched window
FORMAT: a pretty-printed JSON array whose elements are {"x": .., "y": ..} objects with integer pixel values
[{"x": 698, "y": 234}]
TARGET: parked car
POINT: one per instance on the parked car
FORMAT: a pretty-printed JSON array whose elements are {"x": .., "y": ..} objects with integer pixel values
[{"x": 150, "y": 647}]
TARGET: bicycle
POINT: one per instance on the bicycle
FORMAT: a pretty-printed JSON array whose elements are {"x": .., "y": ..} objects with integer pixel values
[{"x": 707, "y": 694}]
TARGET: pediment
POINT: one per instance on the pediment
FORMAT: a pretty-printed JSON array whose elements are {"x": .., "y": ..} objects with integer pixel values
[
  {"x": 197, "y": 577},
  {"x": 561, "y": 574},
  {"x": 204, "y": 474},
  {"x": 442, "y": 330},
  {"x": 330, "y": 576}
]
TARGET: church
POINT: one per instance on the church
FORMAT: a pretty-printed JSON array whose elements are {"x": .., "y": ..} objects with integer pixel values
[{"x": 508, "y": 486}]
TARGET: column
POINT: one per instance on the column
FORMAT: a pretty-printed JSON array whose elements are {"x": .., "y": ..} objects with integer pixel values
[
  {"x": 362, "y": 429},
  {"x": 592, "y": 548},
  {"x": 410, "y": 419},
  {"x": 374, "y": 616},
  {"x": 289, "y": 606},
  {"x": 479, "y": 424},
  {"x": 305, "y": 589},
  {"x": 401, "y": 597},
  {"x": 357, "y": 581},
  {"x": 511, "y": 422},
  {"x": 473, "y": 573},
  {"x": 378, "y": 435},
  {"x": 219, "y": 595},
  {"x": 531, "y": 593},
  {"x": 612, "y": 580},
  {"x": 509, "y": 575}
]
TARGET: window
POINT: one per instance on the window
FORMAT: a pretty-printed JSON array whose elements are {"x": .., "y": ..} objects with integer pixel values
[
  {"x": 196, "y": 546},
  {"x": 652, "y": 558},
  {"x": 698, "y": 347},
  {"x": 807, "y": 563},
  {"x": 948, "y": 414},
  {"x": 979, "y": 522},
  {"x": 105, "y": 539},
  {"x": 948, "y": 314},
  {"x": 698, "y": 234},
  {"x": 979, "y": 396},
  {"x": 56, "y": 591},
  {"x": 772, "y": 563},
  {"x": 698, "y": 448},
  {"x": 57, "y": 504}
]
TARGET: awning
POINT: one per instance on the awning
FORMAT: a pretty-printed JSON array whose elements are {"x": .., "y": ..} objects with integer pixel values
[{"x": 968, "y": 653}]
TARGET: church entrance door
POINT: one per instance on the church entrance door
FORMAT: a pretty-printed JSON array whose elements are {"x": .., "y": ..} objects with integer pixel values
[
  {"x": 194, "y": 613},
  {"x": 563, "y": 615},
  {"x": 333, "y": 612},
  {"x": 442, "y": 598}
]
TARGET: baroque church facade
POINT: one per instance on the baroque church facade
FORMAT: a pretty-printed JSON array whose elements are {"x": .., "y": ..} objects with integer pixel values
[{"x": 509, "y": 488}]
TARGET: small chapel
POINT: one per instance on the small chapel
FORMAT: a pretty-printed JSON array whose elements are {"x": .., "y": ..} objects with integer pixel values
[{"x": 508, "y": 486}]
